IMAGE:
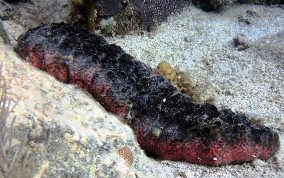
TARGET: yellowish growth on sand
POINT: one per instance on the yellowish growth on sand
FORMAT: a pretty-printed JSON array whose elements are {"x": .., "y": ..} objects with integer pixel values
[
  {"x": 167, "y": 71},
  {"x": 178, "y": 78}
]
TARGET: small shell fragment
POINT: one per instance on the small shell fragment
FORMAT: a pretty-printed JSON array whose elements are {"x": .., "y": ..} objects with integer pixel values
[{"x": 126, "y": 153}]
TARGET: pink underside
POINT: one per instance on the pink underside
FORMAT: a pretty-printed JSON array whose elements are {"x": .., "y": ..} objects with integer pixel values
[
  {"x": 82, "y": 79},
  {"x": 196, "y": 151}
]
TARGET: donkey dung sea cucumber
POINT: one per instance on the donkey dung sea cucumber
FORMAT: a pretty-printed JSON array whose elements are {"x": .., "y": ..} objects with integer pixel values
[{"x": 166, "y": 122}]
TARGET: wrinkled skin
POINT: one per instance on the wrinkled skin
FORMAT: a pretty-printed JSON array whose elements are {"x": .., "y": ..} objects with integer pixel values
[{"x": 166, "y": 122}]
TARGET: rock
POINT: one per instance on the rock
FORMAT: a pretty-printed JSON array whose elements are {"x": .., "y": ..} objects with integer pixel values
[
  {"x": 6, "y": 11},
  {"x": 261, "y": 2},
  {"x": 258, "y": 163},
  {"x": 15, "y": 1},
  {"x": 34, "y": 12},
  {"x": 10, "y": 31},
  {"x": 211, "y": 5},
  {"x": 16, "y": 18},
  {"x": 108, "y": 8},
  {"x": 240, "y": 43},
  {"x": 131, "y": 14},
  {"x": 3, "y": 34}
]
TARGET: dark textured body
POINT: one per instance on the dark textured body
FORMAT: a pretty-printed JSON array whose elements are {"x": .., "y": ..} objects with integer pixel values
[{"x": 165, "y": 121}]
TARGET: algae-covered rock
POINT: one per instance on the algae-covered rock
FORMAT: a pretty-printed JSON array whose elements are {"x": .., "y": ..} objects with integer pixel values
[
  {"x": 18, "y": 17},
  {"x": 34, "y": 12},
  {"x": 131, "y": 14},
  {"x": 6, "y": 11},
  {"x": 211, "y": 5}
]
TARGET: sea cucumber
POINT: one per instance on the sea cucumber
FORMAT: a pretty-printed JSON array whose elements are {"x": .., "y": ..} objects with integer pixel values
[{"x": 166, "y": 122}]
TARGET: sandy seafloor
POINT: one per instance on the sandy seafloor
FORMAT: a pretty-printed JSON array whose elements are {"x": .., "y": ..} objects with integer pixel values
[{"x": 250, "y": 81}]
